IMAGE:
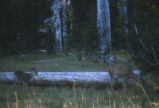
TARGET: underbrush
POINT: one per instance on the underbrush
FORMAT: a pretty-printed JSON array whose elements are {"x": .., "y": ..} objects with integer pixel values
[{"x": 136, "y": 96}]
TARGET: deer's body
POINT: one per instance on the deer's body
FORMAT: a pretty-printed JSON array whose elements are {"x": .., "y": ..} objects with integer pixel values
[
  {"x": 23, "y": 78},
  {"x": 123, "y": 71}
]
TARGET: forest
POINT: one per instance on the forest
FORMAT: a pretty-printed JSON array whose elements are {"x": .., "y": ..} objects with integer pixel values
[
  {"x": 133, "y": 28},
  {"x": 79, "y": 36}
]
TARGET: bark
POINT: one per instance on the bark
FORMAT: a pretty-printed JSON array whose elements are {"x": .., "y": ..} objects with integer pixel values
[
  {"x": 123, "y": 14},
  {"x": 58, "y": 23},
  {"x": 64, "y": 5},
  {"x": 103, "y": 16},
  {"x": 56, "y": 7}
]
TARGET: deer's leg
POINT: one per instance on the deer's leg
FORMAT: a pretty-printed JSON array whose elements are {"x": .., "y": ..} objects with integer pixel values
[
  {"x": 15, "y": 81},
  {"x": 24, "y": 83},
  {"x": 124, "y": 84},
  {"x": 112, "y": 81}
]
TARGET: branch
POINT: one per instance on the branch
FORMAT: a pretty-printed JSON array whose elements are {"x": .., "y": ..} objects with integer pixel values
[
  {"x": 150, "y": 63},
  {"x": 143, "y": 44},
  {"x": 153, "y": 51}
]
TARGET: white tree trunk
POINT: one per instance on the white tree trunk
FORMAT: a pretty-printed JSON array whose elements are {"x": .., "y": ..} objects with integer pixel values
[
  {"x": 135, "y": 29},
  {"x": 123, "y": 14},
  {"x": 103, "y": 17},
  {"x": 64, "y": 5},
  {"x": 58, "y": 24},
  {"x": 56, "y": 6}
]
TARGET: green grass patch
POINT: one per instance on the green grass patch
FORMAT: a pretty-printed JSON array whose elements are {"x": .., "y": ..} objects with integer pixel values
[{"x": 48, "y": 63}]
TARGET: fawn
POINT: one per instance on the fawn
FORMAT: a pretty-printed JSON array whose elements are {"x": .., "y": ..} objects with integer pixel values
[{"x": 23, "y": 78}]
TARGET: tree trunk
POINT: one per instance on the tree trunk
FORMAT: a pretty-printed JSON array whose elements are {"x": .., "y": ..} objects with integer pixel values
[
  {"x": 64, "y": 6},
  {"x": 60, "y": 78},
  {"x": 56, "y": 7},
  {"x": 58, "y": 23},
  {"x": 123, "y": 14},
  {"x": 103, "y": 17},
  {"x": 52, "y": 78}
]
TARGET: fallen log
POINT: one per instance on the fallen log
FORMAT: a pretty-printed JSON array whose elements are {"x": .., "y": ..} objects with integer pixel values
[{"x": 62, "y": 78}]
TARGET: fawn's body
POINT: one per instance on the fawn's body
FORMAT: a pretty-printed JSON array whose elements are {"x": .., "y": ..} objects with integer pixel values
[{"x": 23, "y": 78}]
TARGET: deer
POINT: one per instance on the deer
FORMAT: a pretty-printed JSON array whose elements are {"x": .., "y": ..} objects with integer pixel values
[
  {"x": 22, "y": 78},
  {"x": 123, "y": 71}
]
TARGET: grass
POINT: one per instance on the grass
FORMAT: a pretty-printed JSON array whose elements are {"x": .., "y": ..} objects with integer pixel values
[
  {"x": 67, "y": 97},
  {"x": 75, "y": 97},
  {"x": 60, "y": 63},
  {"x": 50, "y": 63}
]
